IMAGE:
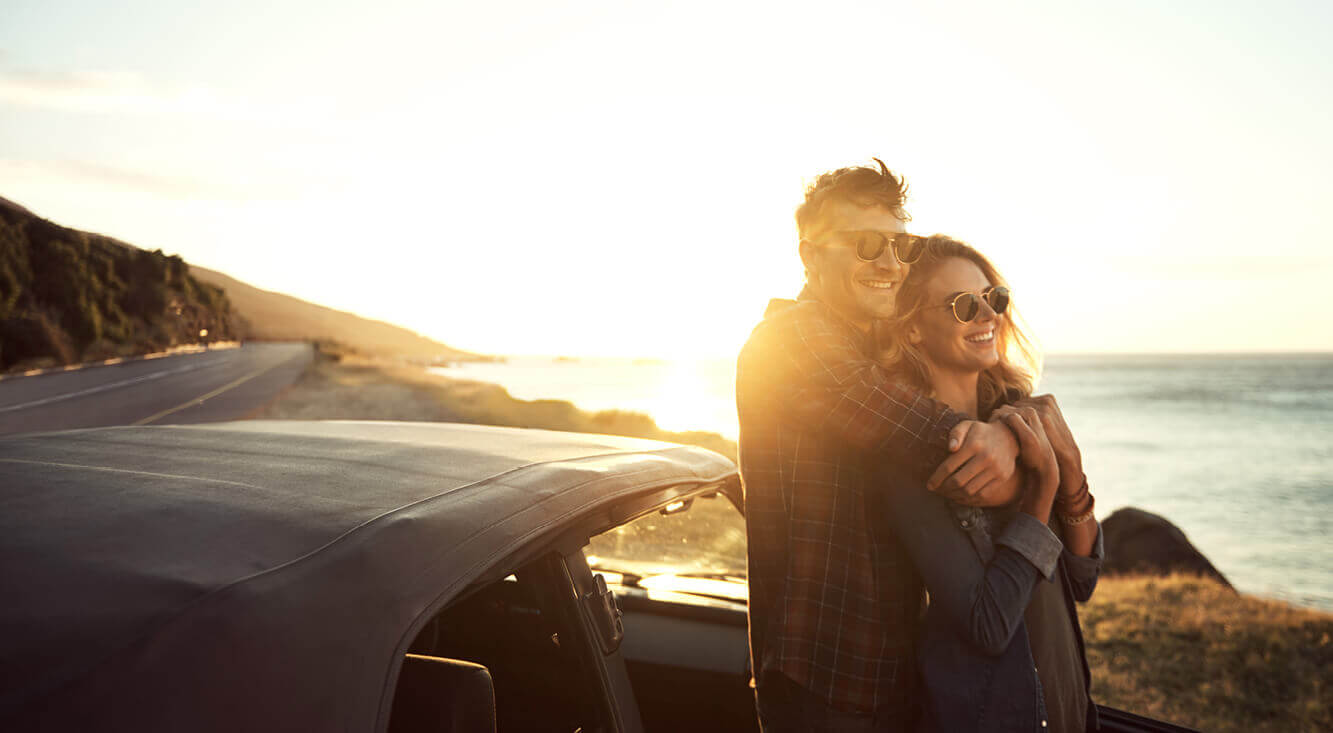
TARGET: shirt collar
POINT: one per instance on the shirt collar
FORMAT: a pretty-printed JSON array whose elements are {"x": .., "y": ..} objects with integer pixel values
[{"x": 864, "y": 341}]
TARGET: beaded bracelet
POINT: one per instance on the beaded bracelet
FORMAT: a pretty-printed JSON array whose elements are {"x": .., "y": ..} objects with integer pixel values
[{"x": 1085, "y": 516}]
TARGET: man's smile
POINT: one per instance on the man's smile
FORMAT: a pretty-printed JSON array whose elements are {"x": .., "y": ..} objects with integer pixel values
[{"x": 879, "y": 284}]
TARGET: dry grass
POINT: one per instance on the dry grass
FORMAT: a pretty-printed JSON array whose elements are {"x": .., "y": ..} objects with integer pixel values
[{"x": 1191, "y": 651}]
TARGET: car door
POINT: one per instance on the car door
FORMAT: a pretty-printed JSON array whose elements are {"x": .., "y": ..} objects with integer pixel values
[{"x": 678, "y": 576}]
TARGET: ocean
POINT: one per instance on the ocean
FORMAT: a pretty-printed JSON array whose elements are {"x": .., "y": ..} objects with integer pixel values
[{"x": 1236, "y": 450}]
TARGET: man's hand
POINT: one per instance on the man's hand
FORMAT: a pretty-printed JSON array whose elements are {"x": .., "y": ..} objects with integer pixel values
[
  {"x": 1067, "y": 454},
  {"x": 978, "y": 472}
]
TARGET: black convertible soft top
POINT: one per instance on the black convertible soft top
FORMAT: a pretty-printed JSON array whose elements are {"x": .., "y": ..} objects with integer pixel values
[{"x": 267, "y": 574}]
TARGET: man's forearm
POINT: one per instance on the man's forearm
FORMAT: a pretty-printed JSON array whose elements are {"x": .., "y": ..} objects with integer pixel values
[{"x": 830, "y": 386}]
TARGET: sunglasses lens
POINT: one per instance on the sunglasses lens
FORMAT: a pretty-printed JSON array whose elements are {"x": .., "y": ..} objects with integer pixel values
[
  {"x": 908, "y": 248},
  {"x": 966, "y": 306},
  {"x": 998, "y": 299},
  {"x": 870, "y": 245}
]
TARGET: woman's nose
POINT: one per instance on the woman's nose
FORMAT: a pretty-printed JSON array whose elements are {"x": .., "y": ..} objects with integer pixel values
[{"x": 986, "y": 313}]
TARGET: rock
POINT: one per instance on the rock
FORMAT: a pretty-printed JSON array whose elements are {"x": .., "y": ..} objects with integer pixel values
[{"x": 1145, "y": 543}]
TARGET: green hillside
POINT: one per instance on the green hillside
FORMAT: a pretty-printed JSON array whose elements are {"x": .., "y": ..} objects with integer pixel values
[{"x": 68, "y": 296}]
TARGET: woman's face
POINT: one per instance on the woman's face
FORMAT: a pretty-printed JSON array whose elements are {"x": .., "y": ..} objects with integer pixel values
[{"x": 949, "y": 345}]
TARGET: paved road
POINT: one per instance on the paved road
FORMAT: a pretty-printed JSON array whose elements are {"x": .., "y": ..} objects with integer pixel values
[{"x": 227, "y": 384}]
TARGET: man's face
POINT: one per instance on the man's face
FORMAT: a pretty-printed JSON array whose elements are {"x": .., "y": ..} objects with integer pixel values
[{"x": 859, "y": 291}]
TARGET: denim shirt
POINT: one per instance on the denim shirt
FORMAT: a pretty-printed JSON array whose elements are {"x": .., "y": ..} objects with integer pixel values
[{"x": 973, "y": 650}]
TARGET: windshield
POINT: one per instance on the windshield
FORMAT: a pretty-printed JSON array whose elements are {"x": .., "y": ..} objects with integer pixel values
[{"x": 705, "y": 539}]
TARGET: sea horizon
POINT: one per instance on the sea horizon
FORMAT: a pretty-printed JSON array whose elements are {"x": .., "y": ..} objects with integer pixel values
[{"x": 1236, "y": 449}]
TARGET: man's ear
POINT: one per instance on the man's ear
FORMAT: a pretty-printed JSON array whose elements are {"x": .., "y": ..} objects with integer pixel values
[{"x": 810, "y": 258}]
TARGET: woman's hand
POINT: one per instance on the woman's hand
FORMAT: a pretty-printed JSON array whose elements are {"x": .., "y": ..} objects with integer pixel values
[
  {"x": 1034, "y": 452},
  {"x": 1067, "y": 454}
]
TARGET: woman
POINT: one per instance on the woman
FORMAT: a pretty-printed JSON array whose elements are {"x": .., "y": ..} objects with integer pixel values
[{"x": 1000, "y": 647}]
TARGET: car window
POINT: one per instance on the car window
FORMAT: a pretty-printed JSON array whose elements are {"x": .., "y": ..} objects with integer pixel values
[{"x": 705, "y": 538}]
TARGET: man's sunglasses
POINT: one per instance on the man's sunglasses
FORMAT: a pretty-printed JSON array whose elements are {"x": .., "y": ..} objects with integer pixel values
[
  {"x": 967, "y": 306},
  {"x": 907, "y": 248}
]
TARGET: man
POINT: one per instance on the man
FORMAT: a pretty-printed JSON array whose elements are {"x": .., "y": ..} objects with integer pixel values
[{"x": 833, "y": 604}]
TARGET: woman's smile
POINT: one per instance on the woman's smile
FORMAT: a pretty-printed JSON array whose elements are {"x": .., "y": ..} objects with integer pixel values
[{"x": 982, "y": 337}]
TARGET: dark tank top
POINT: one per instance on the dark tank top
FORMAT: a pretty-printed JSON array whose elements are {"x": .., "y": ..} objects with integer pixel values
[{"x": 1055, "y": 652}]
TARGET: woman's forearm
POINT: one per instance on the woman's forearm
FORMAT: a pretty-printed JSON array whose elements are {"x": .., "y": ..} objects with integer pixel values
[
  {"x": 984, "y": 600},
  {"x": 1079, "y": 538},
  {"x": 1074, "y": 507},
  {"x": 1039, "y": 495}
]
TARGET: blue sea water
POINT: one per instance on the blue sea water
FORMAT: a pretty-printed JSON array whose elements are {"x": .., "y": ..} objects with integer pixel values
[{"x": 1236, "y": 450}]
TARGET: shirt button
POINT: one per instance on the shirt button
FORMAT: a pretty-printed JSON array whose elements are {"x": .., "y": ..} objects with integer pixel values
[{"x": 967, "y": 524}]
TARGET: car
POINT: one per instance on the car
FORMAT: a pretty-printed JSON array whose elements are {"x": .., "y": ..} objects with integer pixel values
[{"x": 371, "y": 576}]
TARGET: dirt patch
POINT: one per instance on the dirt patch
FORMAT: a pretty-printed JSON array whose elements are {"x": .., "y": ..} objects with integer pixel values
[{"x": 356, "y": 390}]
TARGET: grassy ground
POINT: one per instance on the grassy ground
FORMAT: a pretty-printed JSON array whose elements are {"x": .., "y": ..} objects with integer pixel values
[
  {"x": 1193, "y": 652},
  {"x": 1179, "y": 649}
]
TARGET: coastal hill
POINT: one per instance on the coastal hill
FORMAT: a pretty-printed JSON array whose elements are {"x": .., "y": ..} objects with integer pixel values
[
  {"x": 68, "y": 296},
  {"x": 273, "y": 316}
]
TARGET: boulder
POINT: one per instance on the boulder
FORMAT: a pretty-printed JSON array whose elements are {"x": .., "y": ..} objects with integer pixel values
[{"x": 1145, "y": 543}]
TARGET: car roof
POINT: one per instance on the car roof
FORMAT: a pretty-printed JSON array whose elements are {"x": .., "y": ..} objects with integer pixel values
[{"x": 278, "y": 563}]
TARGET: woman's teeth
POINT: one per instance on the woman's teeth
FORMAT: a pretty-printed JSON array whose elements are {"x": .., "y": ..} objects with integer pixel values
[
  {"x": 878, "y": 284},
  {"x": 981, "y": 337}
]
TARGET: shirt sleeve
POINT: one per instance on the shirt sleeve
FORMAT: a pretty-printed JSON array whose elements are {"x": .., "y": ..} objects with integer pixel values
[
  {"x": 1084, "y": 571},
  {"x": 1034, "y": 541},
  {"x": 836, "y": 388},
  {"x": 985, "y": 602}
]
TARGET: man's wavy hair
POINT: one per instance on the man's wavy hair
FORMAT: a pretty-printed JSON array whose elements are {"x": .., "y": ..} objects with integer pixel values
[
  {"x": 860, "y": 185},
  {"x": 1010, "y": 379}
]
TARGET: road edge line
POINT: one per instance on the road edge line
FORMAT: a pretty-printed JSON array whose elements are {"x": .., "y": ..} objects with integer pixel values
[
  {"x": 215, "y": 346},
  {"x": 210, "y": 395}
]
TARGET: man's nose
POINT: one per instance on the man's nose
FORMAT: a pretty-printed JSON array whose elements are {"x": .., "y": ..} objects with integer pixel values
[{"x": 887, "y": 260}]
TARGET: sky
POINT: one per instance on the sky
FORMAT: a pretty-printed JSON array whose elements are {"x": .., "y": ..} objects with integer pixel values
[{"x": 618, "y": 178}]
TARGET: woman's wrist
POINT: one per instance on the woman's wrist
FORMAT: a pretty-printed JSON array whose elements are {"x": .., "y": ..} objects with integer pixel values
[
  {"x": 1042, "y": 489},
  {"x": 1076, "y": 516},
  {"x": 1072, "y": 486},
  {"x": 1075, "y": 507}
]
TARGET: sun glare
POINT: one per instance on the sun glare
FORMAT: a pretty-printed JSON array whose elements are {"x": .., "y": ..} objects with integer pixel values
[{"x": 686, "y": 399}]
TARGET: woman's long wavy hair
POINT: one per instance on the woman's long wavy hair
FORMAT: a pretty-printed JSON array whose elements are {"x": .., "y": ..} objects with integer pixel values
[{"x": 1010, "y": 379}]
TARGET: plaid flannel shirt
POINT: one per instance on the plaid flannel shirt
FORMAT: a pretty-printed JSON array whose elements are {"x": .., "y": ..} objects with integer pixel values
[{"x": 833, "y": 605}]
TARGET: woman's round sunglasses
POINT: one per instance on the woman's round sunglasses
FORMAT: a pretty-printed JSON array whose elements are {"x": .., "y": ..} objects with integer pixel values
[
  {"x": 967, "y": 306},
  {"x": 907, "y": 248}
]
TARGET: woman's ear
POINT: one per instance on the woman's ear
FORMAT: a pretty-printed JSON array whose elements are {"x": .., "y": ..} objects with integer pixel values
[{"x": 914, "y": 335}]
